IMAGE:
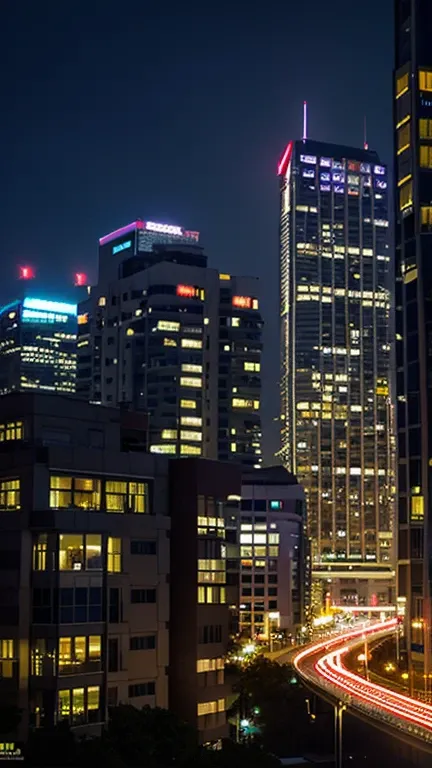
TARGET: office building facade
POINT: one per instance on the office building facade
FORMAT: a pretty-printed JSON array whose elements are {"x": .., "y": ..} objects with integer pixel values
[
  {"x": 268, "y": 558},
  {"x": 336, "y": 423},
  {"x": 199, "y": 610},
  {"x": 165, "y": 334},
  {"x": 38, "y": 346},
  {"x": 85, "y": 561},
  {"x": 413, "y": 218}
]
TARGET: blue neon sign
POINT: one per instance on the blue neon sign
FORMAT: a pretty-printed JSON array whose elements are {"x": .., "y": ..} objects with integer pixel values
[
  {"x": 36, "y": 315},
  {"x": 122, "y": 247},
  {"x": 60, "y": 307}
]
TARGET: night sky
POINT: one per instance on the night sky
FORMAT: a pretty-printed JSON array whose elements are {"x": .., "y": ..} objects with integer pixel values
[{"x": 177, "y": 112}]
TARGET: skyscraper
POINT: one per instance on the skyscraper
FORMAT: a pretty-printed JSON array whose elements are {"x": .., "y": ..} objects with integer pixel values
[
  {"x": 335, "y": 345},
  {"x": 38, "y": 346},
  {"x": 413, "y": 215},
  {"x": 165, "y": 334}
]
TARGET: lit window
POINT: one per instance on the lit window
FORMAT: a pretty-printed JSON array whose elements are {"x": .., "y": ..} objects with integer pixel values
[
  {"x": 252, "y": 367},
  {"x": 425, "y": 156},
  {"x": 190, "y": 368},
  {"x": 190, "y": 450},
  {"x": 426, "y": 216},
  {"x": 6, "y": 658},
  {"x": 425, "y": 80},
  {"x": 210, "y": 665},
  {"x": 223, "y": 276},
  {"x": 169, "y": 449},
  {"x": 169, "y": 342},
  {"x": 190, "y": 381},
  {"x": 404, "y": 138},
  {"x": 123, "y": 496},
  {"x": 425, "y": 128},
  {"x": 168, "y": 325},
  {"x": 417, "y": 508},
  {"x": 206, "y": 708},
  {"x": 190, "y": 435},
  {"x": 102, "y": 301},
  {"x": 114, "y": 555},
  {"x": 188, "y": 404},
  {"x": 401, "y": 85},
  {"x": 67, "y": 492},
  {"x": 10, "y": 494},
  {"x": 190, "y": 421},
  {"x": 405, "y": 196},
  {"x": 83, "y": 319},
  {"x": 71, "y": 552},
  {"x": 240, "y": 402},
  {"x": 191, "y": 343},
  {"x": 40, "y": 547},
  {"x": 93, "y": 552},
  {"x": 130, "y": 332},
  {"x": 169, "y": 434},
  {"x": 12, "y": 430},
  {"x": 235, "y": 322}
]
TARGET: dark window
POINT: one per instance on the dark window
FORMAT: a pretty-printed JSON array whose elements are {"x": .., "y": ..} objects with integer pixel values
[
  {"x": 113, "y": 654},
  {"x": 211, "y": 633},
  {"x": 143, "y": 595},
  {"x": 272, "y": 591},
  {"x": 42, "y": 601},
  {"x": 143, "y": 643},
  {"x": 112, "y": 696},
  {"x": 142, "y": 689},
  {"x": 114, "y": 605},
  {"x": 143, "y": 547},
  {"x": 272, "y": 605},
  {"x": 272, "y": 578}
]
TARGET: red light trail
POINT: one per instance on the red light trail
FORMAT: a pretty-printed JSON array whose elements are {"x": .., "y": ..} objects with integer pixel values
[{"x": 322, "y": 664}]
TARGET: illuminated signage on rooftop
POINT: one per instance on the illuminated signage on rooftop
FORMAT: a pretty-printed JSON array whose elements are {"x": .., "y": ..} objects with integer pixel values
[
  {"x": 35, "y": 315},
  {"x": 50, "y": 306},
  {"x": 244, "y": 302},
  {"x": 149, "y": 226},
  {"x": 188, "y": 291},
  {"x": 122, "y": 247}
]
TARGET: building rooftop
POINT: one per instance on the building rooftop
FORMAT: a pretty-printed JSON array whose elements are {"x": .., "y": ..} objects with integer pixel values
[{"x": 276, "y": 475}]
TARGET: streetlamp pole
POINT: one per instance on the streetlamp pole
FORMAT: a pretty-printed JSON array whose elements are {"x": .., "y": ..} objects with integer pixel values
[{"x": 338, "y": 711}]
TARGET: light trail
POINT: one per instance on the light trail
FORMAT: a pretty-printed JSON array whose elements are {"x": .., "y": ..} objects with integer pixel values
[{"x": 322, "y": 664}]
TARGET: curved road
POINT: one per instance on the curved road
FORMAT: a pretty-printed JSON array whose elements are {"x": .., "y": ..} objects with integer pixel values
[{"x": 321, "y": 666}]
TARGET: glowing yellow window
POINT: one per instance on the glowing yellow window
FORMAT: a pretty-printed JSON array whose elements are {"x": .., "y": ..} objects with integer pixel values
[
  {"x": 405, "y": 196},
  {"x": 417, "y": 508},
  {"x": 425, "y": 80},
  {"x": 188, "y": 404},
  {"x": 401, "y": 85},
  {"x": 404, "y": 137},
  {"x": 425, "y": 156},
  {"x": 425, "y": 128},
  {"x": 114, "y": 555},
  {"x": 426, "y": 216}
]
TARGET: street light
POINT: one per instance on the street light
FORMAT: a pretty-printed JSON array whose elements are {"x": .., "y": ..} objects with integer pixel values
[{"x": 338, "y": 711}]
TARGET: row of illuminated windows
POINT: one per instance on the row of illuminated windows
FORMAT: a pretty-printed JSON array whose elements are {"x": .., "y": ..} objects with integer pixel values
[
  {"x": 168, "y": 448},
  {"x": 79, "y": 552},
  {"x": 75, "y": 652},
  {"x": 93, "y": 493},
  {"x": 259, "y": 551},
  {"x": 259, "y": 538},
  {"x": 79, "y": 704},
  {"x": 171, "y": 434},
  {"x": 210, "y": 665},
  {"x": 210, "y": 707},
  {"x": 213, "y": 594},
  {"x": 10, "y": 496},
  {"x": 11, "y": 430}
]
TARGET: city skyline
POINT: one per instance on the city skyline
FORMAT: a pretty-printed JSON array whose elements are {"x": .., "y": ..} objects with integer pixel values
[{"x": 87, "y": 153}]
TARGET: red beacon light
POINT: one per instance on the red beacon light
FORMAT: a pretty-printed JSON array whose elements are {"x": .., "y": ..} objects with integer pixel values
[
  {"x": 26, "y": 273},
  {"x": 80, "y": 279}
]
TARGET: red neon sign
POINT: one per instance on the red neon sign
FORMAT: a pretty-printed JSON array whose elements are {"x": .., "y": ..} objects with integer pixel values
[
  {"x": 187, "y": 291},
  {"x": 80, "y": 278},
  {"x": 243, "y": 302},
  {"x": 26, "y": 273}
]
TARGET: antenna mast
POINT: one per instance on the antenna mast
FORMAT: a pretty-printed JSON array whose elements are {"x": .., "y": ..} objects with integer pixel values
[
  {"x": 365, "y": 141},
  {"x": 304, "y": 120}
]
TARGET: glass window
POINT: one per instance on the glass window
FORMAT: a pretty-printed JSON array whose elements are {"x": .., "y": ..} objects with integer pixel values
[
  {"x": 81, "y": 492},
  {"x": 138, "y": 497},
  {"x": 95, "y": 648},
  {"x": 425, "y": 156},
  {"x": 426, "y": 215},
  {"x": 93, "y": 552},
  {"x": 425, "y": 80},
  {"x": 114, "y": 564},
  {"x": 116, "y": 495},
  {"x": 64, "y": 653},
  {"x": 93, "y": 697},
  {"x": 425, "y": 128},
  {"x": 12, "y": 430},
  {"x": 71, "y": 552},
  {"x": 405, "y": 196},
  {"x": 63, "y": 704},
  {"x": 40, "y": 547},
  {"x": 10, "y": 494},
  {"x": 78, "y": 709},
  {"x": 404, "y": 137}
]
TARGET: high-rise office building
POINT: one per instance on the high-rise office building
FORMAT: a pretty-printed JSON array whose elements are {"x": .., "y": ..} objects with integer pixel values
[
  {"x": 413, "y": 216},
  {"x": 38, "y": 346},
  {"x": 165, "y": 334},
  {"x": 335, "y": 348}
]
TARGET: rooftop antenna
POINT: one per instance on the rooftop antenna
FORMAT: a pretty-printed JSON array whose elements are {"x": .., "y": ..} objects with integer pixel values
[
  {"x": 365, "y": 141},
  {"x": 304, "y": 120}
]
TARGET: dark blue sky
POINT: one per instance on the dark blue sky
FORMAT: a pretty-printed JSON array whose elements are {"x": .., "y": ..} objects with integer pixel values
[{"x": 176, "y": 111}]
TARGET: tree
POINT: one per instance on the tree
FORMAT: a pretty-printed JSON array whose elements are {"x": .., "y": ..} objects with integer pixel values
[
  {"x": 234, "y": 755},
  {"x": 55, "y": 746}
]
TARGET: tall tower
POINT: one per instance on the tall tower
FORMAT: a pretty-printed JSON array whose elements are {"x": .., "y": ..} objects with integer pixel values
[
  {"x": 335, "y": 369},
  {"x": 413, "y": 216}
]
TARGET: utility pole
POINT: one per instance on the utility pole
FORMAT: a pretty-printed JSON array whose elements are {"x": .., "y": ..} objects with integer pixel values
[{"x": 338, "y": 719}]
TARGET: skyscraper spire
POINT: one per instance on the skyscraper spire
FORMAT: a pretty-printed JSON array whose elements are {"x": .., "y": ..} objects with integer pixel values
[
  {"x": 304, "y": 120},
  {"x": 365, "y": 141}
]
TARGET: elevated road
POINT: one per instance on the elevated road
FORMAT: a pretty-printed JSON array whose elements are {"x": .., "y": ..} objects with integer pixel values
[{"x": 321, "y": 667}]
